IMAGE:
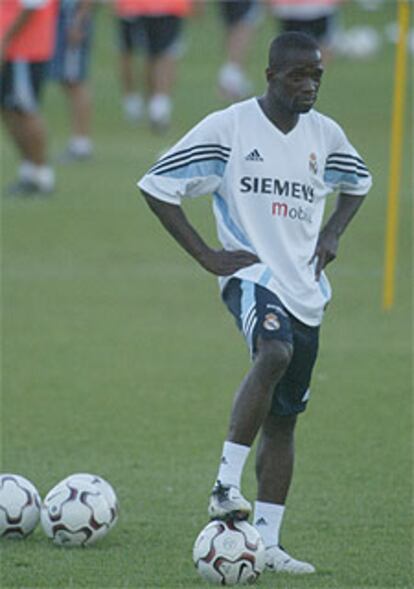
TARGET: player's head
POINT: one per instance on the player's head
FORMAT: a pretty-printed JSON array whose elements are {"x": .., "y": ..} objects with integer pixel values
[{"x": 294, "y": 71}]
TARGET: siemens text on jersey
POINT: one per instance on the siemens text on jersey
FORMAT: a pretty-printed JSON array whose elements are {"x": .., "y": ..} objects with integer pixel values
[{"x": 263, "y": 185}]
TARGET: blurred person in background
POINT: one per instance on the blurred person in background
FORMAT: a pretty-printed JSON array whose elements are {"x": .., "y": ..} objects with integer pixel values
[
  {"x": 317, "y": 18},
  {"x": 362, "y": 40},
  {"x": 240, "y": 19},
  {"x": 155, "y": 28},
  {"x": 26, "y": 44},
  {"x": 70, "y": 67}
]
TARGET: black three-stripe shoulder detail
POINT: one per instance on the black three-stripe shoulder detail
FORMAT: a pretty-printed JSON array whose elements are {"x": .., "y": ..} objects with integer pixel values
[
  {"x": 187, "y": 161},
  {"x": 346, "y": 164},
  {"x": 346, "y": 157},
  {"x": 358, "y": 173},
  {"x": 190, "y": 151}
]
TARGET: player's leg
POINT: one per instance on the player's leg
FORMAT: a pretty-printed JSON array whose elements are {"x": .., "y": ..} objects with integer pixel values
[
  {"x": 164, "y": 40},
  {"x": 251, "y": 405},
  {"x": 79, "y": 98},
  {"x": 128, "y": 41},
  {"x": 254, "y": 396},
  {"x": 21, "y": 84},
  {"x": 27, "y": 129},
  {"x": 162, "y": 73},
  {"x": 240, "y": 23},
  {"x": 70, "y": 67},
  {"x": 275, "y": 453},
  {"x": 266, "y": 327},
  {"x": 275, "y": 458}
]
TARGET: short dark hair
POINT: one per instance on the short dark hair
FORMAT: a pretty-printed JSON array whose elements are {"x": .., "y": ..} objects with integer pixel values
[{"x": 292, "y": 41}]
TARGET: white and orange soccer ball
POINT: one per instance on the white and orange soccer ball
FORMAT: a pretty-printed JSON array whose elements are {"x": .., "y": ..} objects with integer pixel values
[
  {"x": 229, "y": 553},
  {"x": 19, "y": 506},
  {"x": 79, "y": 510}
]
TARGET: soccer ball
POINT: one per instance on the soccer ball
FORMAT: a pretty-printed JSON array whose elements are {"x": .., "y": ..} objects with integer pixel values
[
  {"x": 101, "y": 485},
  {"x": 229, "y": 553},
  {"x": 19, "y": 506},
  {"x": 76, "y": 513}
]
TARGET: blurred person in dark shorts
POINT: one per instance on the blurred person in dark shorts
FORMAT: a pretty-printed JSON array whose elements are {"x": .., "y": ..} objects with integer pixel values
[
  {"x": 26, "y": 45},
  {"x": 156, "y": 29}
]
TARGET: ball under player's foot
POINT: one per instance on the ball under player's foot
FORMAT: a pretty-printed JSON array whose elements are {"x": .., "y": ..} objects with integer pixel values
[
  {"x": 279, "y": 561},
  {"x": 226, "y": 502}
]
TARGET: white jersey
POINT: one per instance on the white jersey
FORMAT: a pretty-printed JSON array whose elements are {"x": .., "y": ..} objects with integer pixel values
[{"x": 269, "y": 191}]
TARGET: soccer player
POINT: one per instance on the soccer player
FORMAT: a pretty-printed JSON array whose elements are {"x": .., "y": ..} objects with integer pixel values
[
  {"x": 240, "y": 18},
  {"x": 69, "y": 66},
  {"x": 26, "y": 44},
  {"x": 270, "y": 163},
  {"x": 155, "y": 27},
  {"x": 317, "y": 18}
]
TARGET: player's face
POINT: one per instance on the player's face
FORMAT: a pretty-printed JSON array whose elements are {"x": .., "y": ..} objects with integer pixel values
[{"x": 294, "y": 84}]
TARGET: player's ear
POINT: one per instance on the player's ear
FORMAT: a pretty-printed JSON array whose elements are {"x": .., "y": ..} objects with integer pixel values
[{"x": 270, "y": 74}]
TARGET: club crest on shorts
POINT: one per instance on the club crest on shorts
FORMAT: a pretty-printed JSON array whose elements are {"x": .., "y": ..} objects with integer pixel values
[
  {"x": 271, "y": 322},
  {"x": 313, "y": 163}
]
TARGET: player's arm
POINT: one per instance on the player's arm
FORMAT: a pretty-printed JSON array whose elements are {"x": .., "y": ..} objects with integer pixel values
[
  {"x": 328, "y": 241},
  {"x": 219, "y": 262}
]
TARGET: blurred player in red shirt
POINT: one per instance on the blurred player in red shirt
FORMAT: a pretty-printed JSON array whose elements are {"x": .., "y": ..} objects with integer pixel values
[
  {"x": 317, "y": 18},
  {"x": 240, "y": 19},
  {"x": 26, "y": 43},
  {"x": 156, "y": 28}
]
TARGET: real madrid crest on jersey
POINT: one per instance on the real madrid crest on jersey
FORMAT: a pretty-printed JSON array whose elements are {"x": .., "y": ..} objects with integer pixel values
[
  {"x": 271, "y": 322},
  {"x": 313, "y": 163}
]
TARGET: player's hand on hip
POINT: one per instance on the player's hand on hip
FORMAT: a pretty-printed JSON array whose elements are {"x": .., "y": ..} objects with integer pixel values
[
  {"x": 325, "y": 251},
  {"x": 224, "y": 262}
]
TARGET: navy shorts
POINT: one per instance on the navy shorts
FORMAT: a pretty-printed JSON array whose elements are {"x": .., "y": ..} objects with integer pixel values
[
  {"x": 21, "y": 83},
  {"x": 259, "y": 312},
  {"x": 155, "y": 35},
  {"x": 70, "y": 63},
  {"x": 236, "y": 11},
  {"x": 321, "y": 29}
]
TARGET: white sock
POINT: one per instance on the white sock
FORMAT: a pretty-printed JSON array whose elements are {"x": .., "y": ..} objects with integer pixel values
[
  {"x": 81, "y": 145},
  {"x": 26, "y": 170},
  {"x": 232, "y": 79},
  {"x": 268, "y": 520},
  {"x": 44, "y": 177},
  {"x": 232, "y": 462},
  {"x": 133, "y": 106},
  {"x": 159, "y": 109}
]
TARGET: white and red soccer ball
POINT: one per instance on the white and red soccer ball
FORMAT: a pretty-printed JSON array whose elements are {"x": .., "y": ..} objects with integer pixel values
[
  {"x": 79, "y": 510},
  {"x": 229, "y": 553},
  {"x": 19, "y": 506}
]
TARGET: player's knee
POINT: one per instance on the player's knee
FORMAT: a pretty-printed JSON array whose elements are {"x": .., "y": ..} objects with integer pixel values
[{"x": 274, "y": 355}]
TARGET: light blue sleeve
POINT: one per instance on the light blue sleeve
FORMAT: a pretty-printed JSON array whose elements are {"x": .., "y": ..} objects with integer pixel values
[
  {"x": 195, "y": 166},
  {"x": 345, "y": 170}
]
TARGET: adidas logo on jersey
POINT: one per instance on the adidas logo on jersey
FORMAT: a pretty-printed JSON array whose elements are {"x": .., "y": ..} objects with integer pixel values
[{"x": 254, "y": 156}]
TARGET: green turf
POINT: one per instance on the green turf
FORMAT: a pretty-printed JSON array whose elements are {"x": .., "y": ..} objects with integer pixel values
[{"x": 118, "y": 357}]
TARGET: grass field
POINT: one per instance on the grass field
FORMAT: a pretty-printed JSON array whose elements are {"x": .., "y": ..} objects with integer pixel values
[{"x": 118, "y": 357}]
